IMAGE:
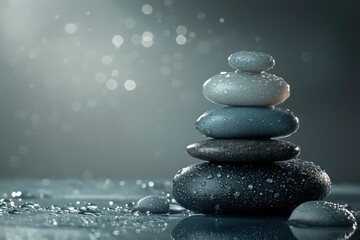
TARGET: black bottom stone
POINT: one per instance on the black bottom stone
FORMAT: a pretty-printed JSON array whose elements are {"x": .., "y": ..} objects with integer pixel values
[{"x": 267, "y": 189}]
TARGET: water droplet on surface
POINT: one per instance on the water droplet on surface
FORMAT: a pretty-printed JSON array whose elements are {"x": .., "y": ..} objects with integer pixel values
[
  {"x": 210, "y": 176},
  {"x": 269, "y": 180},
  {"x": 251, "y": 187},
  {"x": 14, "y": 211},
  {"x": 91, "y": 206}
]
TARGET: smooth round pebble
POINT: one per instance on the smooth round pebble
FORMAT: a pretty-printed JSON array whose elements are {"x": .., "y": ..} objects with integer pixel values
[
  {"x": 152, "y": 204},
  {"x": 246, "y": 89},
  {"x": 250, "y": 61},
  {"x": 247, "y": 122},
  {"x": 267, "y": 189},
  {"x": 243, "y": 150},
  {"x": 224, "y": 227},
  {"x": 322, "y": 213}
]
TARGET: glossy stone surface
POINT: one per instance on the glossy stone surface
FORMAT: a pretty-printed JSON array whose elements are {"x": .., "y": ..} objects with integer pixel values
[
  {"x": 322, "y": 213},
  {"x": 246, "y": 89},
  {"x": 251, "y": 61},
  {"x": 267, "y": 189},
  {"x": 243, "y": 150},
  {"x": 247, "y": 122},
  {"x": 152, "y": 204}
]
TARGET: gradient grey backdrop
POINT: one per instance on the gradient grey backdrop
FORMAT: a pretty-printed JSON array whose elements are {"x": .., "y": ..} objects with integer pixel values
[{"x": 57, "y": 120}]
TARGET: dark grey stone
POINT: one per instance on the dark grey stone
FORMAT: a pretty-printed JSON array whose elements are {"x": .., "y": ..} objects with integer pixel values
[
  {"x": 251, "y": 61},
  {"x": 322, "y": 213},
  {"x": 243, "y": 150},
  {"x": 260, "y": 189},
  {"x": 246, "y": 89},
  {"x": 247, "y": 122}
]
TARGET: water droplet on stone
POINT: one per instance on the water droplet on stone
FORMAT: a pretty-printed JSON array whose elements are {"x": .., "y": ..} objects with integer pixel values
[
  {"x": 210, "y": 176},
  {"x": 251, "y": 187}
]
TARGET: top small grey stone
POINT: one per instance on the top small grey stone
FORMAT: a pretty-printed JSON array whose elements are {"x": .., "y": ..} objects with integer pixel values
[{"x": 251, "y": 61}]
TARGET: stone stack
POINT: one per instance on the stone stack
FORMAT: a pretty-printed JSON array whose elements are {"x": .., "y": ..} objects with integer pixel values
[{"x": 248, "y": 170}]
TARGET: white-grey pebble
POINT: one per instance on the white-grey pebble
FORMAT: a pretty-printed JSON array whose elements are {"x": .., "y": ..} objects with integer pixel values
[
  {"x": 322, "y": 213},
  {"x": 152, "y": 204},
  {"x": 251, "y": 61},
  {"x": 246, "y": 89}
]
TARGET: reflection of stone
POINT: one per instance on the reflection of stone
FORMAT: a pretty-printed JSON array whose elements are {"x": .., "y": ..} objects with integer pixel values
[
  {"x": 322, "y": 233},
  {"x": 211, "y": 228}
]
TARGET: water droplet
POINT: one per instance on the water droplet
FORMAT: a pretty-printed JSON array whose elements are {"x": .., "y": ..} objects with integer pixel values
[
  {"x": 218, "y": 175},
  {"x": 269, "y": 180},
  {"x": 251, "y": 187},
  {"x": 91, "y": 206},
  {"x": 89, "y": 212},
  {"x": 226, "y": 91},
  {"x": 203, "y": 183},
  {"x": 236, "y": 194},
  {"x": 210, "y": 176},
  {"x": 14, "y": 211}
]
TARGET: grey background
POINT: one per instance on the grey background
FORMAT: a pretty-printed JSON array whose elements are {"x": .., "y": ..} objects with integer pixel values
[{"x": 58, "y": 121}]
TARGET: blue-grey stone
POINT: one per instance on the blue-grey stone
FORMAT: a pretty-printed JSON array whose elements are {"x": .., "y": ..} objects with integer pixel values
[
  {"x": 322, "y": 213},
  {"x": 253, "y": 189},
  {"x": 243, "y": 150},
  {"x": 247, "y": 122},
  {"x": 246, "y": 89},
  {"x": 251, "y": 61}
]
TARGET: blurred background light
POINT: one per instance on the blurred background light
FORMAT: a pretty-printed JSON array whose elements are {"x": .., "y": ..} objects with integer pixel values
[{"x": 112, "y": 88}]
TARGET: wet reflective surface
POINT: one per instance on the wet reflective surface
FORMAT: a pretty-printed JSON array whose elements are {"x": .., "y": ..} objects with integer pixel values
[{"x": 72, "y": 209}]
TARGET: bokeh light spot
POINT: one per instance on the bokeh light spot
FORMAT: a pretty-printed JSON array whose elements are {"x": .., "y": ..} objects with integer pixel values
[
  {"x": 147, "y": 9},
  {"x": 130, "y": 85},
  {"x": 111, "y": 84},
  {"x": 71, "y": 28}
]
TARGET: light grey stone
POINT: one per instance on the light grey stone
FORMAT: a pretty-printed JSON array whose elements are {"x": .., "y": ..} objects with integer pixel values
[{"x": 246, "y": 89}]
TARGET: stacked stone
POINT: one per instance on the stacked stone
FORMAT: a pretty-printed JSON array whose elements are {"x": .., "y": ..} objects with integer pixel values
[{"x": 248, "y": 170}]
